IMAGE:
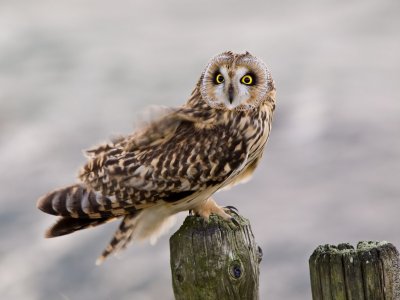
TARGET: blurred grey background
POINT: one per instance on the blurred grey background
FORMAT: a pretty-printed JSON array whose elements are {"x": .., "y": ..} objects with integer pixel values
[{"x": 74, "y": 73}]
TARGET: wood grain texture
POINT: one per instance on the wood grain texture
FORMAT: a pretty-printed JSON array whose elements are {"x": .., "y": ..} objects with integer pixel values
[
  {"x": 369, "y": 272},
  {"x": 215, "y": 260}
]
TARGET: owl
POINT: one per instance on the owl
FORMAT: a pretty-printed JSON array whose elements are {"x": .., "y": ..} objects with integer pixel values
[{"x": 177, "y": 161}]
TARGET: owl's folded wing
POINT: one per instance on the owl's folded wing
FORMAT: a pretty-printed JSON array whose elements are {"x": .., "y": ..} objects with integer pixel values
[{"x": 169, "y": 160}]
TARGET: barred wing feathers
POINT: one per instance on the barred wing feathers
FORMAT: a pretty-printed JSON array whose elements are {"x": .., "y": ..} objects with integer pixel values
[{"x": 173, "y": 158}]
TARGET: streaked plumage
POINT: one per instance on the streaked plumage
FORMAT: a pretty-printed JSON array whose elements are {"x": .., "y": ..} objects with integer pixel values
[{"x": 178, "y": 161}]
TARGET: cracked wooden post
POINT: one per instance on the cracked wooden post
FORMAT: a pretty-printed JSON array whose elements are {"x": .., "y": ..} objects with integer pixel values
[
  {"x": 370, "y": 272},
  {"x": 215, "y": 260}
]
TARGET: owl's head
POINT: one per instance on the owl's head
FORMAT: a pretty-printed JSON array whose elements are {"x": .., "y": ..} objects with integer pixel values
[{"x": 236, "y": 82}]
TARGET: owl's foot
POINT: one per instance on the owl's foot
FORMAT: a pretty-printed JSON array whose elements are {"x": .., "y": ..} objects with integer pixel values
[{"x": 210, "y": 207}]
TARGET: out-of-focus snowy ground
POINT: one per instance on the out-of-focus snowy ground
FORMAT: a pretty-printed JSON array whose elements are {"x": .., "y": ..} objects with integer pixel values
[{"x": 73, "y": 73}]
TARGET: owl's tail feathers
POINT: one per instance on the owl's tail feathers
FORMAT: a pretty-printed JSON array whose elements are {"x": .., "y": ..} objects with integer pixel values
[
  {"x": 79, "y": 208},
  {"x": 121, "y": 238},
  {"x": 67, "y": 225},
  {"x": 77, "y": 201}
]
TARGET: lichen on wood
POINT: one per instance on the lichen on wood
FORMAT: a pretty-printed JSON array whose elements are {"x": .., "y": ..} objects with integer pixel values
[{"x": 217, "y": 259}]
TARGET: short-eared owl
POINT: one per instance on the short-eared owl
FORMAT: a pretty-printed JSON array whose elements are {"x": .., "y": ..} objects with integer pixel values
[{"x": 177, "y": 161}]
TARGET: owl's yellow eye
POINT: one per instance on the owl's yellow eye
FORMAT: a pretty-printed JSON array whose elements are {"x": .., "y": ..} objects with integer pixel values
[
  {"x": 247, "y": 79},
  {"x": 219, "y": 78}
]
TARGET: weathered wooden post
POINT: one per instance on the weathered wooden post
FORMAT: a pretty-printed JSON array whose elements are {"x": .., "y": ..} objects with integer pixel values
[
  {"x": 215, "y": 260},
  {"x": 370, "y": 272}
]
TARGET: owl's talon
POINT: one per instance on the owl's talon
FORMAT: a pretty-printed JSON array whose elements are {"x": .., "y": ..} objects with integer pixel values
[
  {"x": 234, "y": 221},
  {"x": 231, "y": 210},
  {"x": 230, "y": 207}
]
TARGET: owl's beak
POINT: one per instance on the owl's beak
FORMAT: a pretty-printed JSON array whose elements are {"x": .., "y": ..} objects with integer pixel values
[{"x": 230, "y": 93}]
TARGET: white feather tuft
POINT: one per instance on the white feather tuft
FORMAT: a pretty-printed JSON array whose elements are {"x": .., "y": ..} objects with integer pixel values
[{"x": 153, "y": 222}]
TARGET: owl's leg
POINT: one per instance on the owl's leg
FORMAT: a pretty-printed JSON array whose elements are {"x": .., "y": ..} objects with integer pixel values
[{"x": 209, "y": 207}]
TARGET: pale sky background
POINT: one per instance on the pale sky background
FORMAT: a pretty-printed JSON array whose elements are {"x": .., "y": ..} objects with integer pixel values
[{"x": 74, "y": 73}]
